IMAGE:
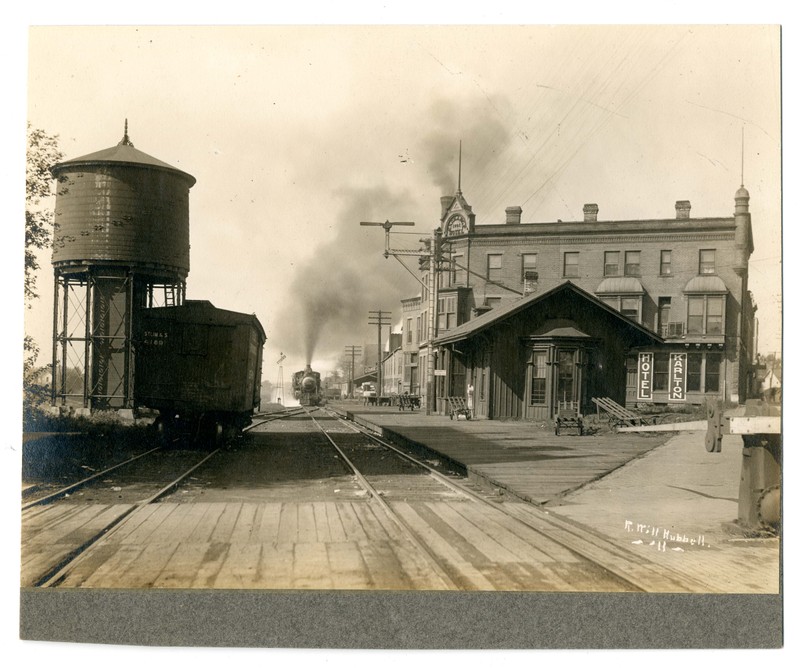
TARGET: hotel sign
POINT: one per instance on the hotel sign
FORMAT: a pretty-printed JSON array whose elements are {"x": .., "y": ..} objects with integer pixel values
[
  {"x": 677, "y": 376},
  {"x": 644, "y": 380}
]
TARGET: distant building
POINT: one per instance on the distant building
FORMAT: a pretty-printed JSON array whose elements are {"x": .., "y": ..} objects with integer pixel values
[{"x": 642, "y": 311}]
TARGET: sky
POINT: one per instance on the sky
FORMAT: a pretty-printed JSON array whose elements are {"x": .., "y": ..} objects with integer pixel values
[{"x": 297, "y": 133}]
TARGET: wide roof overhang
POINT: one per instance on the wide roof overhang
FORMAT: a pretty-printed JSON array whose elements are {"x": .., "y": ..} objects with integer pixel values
[{"x": 488, "y": 320}]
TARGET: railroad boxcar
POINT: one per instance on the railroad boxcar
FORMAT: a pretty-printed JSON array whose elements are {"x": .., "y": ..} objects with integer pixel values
[
  {"x": 307, "y": 387},
  {"x": 200, "y": 367}
]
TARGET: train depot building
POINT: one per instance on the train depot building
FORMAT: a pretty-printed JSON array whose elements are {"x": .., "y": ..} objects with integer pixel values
[{"x": 641, "y": 311}]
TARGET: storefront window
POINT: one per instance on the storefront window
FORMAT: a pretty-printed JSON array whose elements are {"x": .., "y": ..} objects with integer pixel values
[
  {"x": 661, "y": 371},
  {"x": 693, "y": 372},
  {"x": 713, "y": 364}
]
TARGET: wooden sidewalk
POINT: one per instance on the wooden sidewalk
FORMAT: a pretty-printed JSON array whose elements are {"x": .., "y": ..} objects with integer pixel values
[{"x": 524, "y": 459}]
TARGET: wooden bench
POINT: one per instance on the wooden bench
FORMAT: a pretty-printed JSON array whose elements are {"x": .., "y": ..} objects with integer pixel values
[
  {"x": 568, "y": 416},
  {"x": 458, "y": 406},
  {"x": 621, "y": 416},
  {"x": 407, "y": 401}
]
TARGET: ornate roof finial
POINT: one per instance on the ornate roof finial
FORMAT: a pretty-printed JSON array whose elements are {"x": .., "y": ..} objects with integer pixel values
[
  {"x": 459, "y": 167},
  {"x": 743, "y": 156},
  {"x": 125, "y": 139}
]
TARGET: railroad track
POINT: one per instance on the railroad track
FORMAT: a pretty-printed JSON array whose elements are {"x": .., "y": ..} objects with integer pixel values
[
  {"x": 73, "y": 487},
  {"x": 638, "y": 573},
  {"x": 52, "y": 576},
  {"x": 57, "y": 571},
  {"x": 262, "y": 418}
]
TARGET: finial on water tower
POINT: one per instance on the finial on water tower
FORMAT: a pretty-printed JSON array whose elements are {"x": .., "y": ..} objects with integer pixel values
[{"x": 125, "y": 139}]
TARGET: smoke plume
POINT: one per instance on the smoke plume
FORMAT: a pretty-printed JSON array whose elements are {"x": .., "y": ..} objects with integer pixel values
[{"x": 333, "y": 292}]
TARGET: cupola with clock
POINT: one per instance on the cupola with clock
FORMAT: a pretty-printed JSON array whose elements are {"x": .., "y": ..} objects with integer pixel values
[{"x": 457, "y": 217}]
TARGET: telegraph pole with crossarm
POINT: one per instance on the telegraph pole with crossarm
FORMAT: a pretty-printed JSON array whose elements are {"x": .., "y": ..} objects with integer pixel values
[
  {"x": 432, "y": 252},
  {"x": 380, "y": 318},
  {"x": 352, "y": 351}
]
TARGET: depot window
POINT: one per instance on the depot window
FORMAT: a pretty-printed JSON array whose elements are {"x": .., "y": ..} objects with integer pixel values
[{"x": 539, "y": 377}]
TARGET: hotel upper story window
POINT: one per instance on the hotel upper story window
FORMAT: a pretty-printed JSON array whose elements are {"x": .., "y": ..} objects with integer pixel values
[
  {"x": 706, "y": 314},
  {"x": 611, "y": 263},
  {"x": 629, "y": 305},
  {"x": 708, "y": 261},
  {"x": 571, "y": 264},
  {"x": 665, "y": 268},
  {"x": 447, "y": 313},
  {"x": 457, "y": 272},
  {"x": 529, "y": 263},
  {"x": 409, "y": 332},
  {"x": 494, "y": 266},
  {"x": 633, "y": 265}
]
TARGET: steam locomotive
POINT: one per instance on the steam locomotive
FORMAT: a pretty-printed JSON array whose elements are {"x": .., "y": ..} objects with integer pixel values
[
  {"x": 200, "y": 367},
  {"x": 307, "y": 387}
]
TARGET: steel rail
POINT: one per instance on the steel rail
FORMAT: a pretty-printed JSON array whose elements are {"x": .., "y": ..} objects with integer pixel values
[
  {"x": 570, "y": 535},
  {"x": 59, "y": 571},
  {"x": 274, "y": 417},
  {"x": 368, "y": 487},
  {"x": 76, "y": 485}
]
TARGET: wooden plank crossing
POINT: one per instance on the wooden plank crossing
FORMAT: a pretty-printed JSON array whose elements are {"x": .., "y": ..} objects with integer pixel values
[
  {"x": 314, "y": 545},
  {"x": 53, "y": 532}
]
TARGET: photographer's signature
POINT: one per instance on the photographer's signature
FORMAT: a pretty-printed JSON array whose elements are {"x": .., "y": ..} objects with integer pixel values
[{"x": 664, "y": 539}]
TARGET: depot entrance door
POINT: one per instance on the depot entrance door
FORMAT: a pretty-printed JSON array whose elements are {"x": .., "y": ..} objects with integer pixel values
[{"x": 555, "y": 373}]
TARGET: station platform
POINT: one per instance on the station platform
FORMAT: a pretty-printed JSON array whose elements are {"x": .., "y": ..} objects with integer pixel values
[{"x": 658, "y": 493}]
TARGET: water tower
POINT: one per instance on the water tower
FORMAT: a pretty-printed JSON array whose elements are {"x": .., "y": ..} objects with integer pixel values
[{"x": 120, "y": 244}]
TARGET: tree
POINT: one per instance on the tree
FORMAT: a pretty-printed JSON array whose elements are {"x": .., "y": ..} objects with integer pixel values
[{"x": 43, "y": 152}]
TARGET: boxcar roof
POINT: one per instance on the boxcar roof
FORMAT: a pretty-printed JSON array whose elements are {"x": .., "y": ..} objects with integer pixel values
[{"x": 201, "y": 310}]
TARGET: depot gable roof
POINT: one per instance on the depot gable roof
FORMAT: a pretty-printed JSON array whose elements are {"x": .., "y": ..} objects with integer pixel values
[{"x": 501, "y": 313}]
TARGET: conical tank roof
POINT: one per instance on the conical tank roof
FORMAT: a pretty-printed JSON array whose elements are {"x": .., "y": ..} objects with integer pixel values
[{"x": 123, "y": 153}]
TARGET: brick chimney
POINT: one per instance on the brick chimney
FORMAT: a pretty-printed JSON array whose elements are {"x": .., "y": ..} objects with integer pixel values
[
  {"x": 590, "y": 213},
  {"x": 513, "y": 215},
  {"x": 682, "y": 208}
]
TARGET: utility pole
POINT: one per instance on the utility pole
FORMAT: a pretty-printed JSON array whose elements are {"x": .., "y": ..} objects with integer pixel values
[
  {"x": 432, "y": 251},
  {"x": 352, "y": 351},
  {"x": 380, "y": 318}
]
